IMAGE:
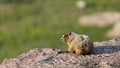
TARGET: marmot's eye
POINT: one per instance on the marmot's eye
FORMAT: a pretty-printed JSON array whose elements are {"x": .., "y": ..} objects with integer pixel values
[
  {"x": 65, "y": 35},
  {"x": 82, "y": 38}
]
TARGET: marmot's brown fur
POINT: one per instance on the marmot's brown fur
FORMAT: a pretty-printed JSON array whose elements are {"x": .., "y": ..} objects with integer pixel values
[{"x": 80, "y": 44}]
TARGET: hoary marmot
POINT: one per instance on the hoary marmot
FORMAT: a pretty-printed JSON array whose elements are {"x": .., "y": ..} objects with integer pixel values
[{"x": 80, "y": 44}]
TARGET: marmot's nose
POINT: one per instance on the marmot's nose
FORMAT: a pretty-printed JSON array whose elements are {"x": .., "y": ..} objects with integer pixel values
[{"x": 62, "y": 38}]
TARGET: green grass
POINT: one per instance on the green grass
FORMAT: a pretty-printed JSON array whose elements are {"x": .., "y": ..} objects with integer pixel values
[{"x": 41, "y": 23}]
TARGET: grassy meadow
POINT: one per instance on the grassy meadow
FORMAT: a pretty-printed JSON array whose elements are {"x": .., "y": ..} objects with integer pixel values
[{"x": 28, "y": 24}]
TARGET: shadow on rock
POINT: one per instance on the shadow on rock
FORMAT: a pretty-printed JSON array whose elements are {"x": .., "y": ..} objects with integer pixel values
[{"x": 105, "y": 49}]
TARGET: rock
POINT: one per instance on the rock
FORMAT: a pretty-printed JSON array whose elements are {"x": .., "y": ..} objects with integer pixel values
[
  {"x": 81, "y": 4},
  {"x": 115, "y": 31},
  {"x": 100, "y": 19},
  {"x": 106, "y": 54},
  {"x": 103, "y": 19}
]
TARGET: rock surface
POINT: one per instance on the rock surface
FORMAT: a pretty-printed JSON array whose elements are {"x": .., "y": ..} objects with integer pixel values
[
  {"x": 106, "y": 54},
  {"x": 100, "y": 19},
  {"x": 81, "y": 4}
]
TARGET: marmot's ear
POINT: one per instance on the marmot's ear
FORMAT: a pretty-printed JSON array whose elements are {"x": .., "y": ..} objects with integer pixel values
[{"x": 69, "y": 33}]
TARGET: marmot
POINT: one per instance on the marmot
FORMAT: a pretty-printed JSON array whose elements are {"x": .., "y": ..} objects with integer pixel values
[{"x": 80, "y": 44}]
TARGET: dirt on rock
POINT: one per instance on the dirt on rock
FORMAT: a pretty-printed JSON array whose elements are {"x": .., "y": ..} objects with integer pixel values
[{"x": 105, "y": 54}]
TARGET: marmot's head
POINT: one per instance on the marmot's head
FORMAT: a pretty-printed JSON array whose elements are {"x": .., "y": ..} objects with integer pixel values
[{"x": 67, "y": 37}]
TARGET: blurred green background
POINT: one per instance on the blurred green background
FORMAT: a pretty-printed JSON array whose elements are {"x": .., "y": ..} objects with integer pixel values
[{"x": 28, "y": 24}]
